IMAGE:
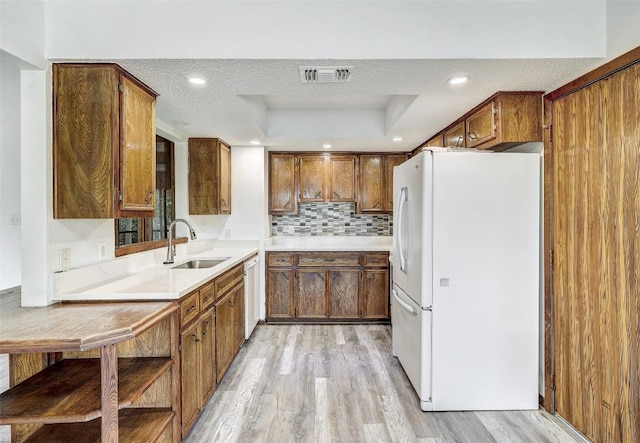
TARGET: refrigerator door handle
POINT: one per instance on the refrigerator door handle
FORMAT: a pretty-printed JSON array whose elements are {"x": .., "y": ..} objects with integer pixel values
[
  {"x": 403, "y": 304},
  {"x": 401, "y": 205}
]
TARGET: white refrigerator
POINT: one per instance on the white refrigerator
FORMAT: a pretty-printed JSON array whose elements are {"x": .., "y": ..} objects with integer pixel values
[{"x": 466, "y": 278}]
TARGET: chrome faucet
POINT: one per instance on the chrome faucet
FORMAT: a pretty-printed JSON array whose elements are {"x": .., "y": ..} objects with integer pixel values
[{"x": 171, "y": 249}]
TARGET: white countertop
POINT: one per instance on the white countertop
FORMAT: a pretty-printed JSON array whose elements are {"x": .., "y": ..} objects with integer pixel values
[
  {"x": 330, "y": 243},
  {"x": 159, "y": 282}
]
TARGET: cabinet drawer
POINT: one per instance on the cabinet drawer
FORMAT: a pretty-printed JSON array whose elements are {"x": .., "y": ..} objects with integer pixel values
[
  {"x": 318, "y": 259},
  {"x": 375, "y": 260},
  {"x": 207, "y": 296},
  {"x": 280, "y": 259},
  {"x": 189, "y": 308},
  {"x": 228, "y": 280}
]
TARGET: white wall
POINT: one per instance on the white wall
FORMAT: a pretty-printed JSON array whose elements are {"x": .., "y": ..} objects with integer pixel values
[
  {"x": 22, "y": 30},
  {"x": 10, "y": 244},
  {"x": 623, "y": 32},
  {"x": 326, "y": 29}
]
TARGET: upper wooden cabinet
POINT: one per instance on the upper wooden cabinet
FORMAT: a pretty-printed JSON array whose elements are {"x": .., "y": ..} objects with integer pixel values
[
  {"x": 282, "y": 183},
  {"x": 372, "y": 180},
  {"x": 327, "y": 178},
  {"x": 391, "y": 161},
  {"x": 366, "y": 179},
  {"x": 209, "y": 176},
  {"x": 504, "y": 120},
  {"x": 342, "y": 178},
  {"x": 104, "y": 143},
  {"x": 437, "y": 141},
  {"x": 311, "y": 178},
  {"x": 516, "y": 118},
  {"x": 376, "y": 182},
  {"x": 454, "y": 136}
]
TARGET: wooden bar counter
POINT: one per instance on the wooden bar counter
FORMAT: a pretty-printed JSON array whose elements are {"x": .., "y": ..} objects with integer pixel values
[{"x": 91, "y": 372}]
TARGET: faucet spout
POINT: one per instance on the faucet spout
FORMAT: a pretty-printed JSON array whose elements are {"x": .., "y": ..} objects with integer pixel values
[{"x": 171, "y": 248}]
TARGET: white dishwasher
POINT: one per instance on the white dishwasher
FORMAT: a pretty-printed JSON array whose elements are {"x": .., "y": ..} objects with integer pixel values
[{"x": 251, "y": 295}]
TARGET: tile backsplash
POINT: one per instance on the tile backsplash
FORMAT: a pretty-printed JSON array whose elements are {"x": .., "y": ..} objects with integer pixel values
[{"x": 331, "y": 219}]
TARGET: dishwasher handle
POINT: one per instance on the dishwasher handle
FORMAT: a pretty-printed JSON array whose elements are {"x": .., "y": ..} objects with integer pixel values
[{"x": 251, "y": 263}]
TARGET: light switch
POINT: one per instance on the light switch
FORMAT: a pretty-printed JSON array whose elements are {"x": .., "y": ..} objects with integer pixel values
[{"x": 444, "y": 282}]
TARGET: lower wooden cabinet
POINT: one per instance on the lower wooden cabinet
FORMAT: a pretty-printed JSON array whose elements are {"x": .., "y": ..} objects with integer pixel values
[
  {"x": 210, "y": 337},
  {"x": 344, "y": 293},
  {"x": 229, "y": 328},
  {"x": 311, "y": 294},
  {"x": 280, "y": 290},
  {"x": 327, "y": 286},
  {"x": 375, "y": 293}
]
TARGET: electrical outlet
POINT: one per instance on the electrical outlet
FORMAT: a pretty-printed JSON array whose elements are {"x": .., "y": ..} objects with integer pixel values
[
  {"x": 14, "y": 219},
  {"x": 65, "y": 259},
  {"x": 102, "y": 251},
  {"x": 227, "y": 234}
]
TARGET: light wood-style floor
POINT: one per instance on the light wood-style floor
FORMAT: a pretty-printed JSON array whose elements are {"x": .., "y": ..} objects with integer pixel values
[{"x": 339, "y": 383}]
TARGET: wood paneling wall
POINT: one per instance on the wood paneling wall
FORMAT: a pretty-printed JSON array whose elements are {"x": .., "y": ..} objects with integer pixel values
[{"x": 596, "y": 243}]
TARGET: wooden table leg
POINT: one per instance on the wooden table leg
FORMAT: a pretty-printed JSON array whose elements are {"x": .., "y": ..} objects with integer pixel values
[{"x": 109, "y": 391}]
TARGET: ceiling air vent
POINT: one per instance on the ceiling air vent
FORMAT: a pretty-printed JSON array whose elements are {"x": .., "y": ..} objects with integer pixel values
[{"x": 325, "y": 74}]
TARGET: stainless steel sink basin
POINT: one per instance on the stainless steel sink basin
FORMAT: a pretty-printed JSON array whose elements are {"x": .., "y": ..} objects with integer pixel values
[{"x": 201, "y": 263}]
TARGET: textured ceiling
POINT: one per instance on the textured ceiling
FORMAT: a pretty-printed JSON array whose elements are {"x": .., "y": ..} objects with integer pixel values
[{"x": 265, "y": 100}]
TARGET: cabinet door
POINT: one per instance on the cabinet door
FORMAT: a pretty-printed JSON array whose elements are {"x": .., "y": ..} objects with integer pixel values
[
  {"x": 371, "y": 198},
  {"x": 311, "y": 172},
  {"x": 224, "y": 197},
  {"x": 455, "y": 136},
  {"x": 481, "y": 126},
  {"x": 390, "y": 162},
  {"x": 376, "y": 293},
  {"x": 344, "y": 294},
  {"x": 282, "y": 183},
  {"x": 85, "y": 104},
  {"x": 342, "y": 179},
  {"x": 202, "y": 164},
  {"x": 224, "y": 334},
  {"x": 137, "y": 149},
  {"x": 190, "y": 374},
  {"x": 311, "y": 294},
  {"x": 435, "y": 141},
  {"x": 280, "y": 293},
  {"x": 207, "y": 356}
]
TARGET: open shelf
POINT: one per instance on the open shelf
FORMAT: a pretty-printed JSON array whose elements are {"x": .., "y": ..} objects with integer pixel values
[
  {"x": 69, "y": 391},
  {"x": 136, "y": 425}
]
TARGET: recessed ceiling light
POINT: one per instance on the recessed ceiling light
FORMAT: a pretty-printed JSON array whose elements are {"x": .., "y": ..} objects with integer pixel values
[
  {"x": 326, "y": 146},
  {"x": 458, "y": 80},
  {"x": 397, "y": 139},
  {"x": 255, "y": 142},
  {"x": 197, "y": 81}
]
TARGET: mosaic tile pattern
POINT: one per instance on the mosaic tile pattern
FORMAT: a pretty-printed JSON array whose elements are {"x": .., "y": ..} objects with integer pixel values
[{"x": 330, "y": 219}]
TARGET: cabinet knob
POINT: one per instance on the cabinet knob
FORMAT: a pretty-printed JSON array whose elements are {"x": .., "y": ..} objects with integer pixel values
[
  {"x": 191, "y": 309},
  {"x": 195, "y": 337}
]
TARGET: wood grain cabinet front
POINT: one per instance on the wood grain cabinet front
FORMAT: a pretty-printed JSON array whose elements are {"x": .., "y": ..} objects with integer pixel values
[
  {"x": 104, "y": 142},
  {"x": 209, "y": 176},
  {"x": 229, "y": 328},
  {"x": 376, "y": 182},
  {"x": 504, "y": 120},
  {"x": 342, "y": 178},
  {"x": 327, "y": 286},
  {"x": 212, "y": 320},
  {"x": 282, "y": 183}
]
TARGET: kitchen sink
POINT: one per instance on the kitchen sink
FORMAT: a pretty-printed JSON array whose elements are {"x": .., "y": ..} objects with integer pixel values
[{"x": 201, "y": 263}]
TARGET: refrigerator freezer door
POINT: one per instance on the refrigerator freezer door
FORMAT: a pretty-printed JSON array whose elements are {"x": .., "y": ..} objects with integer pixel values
[
  {"x": 412, "y": 227},
  {"x": 411, "y": 341},
  {"x": 486, "y": 280}
]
